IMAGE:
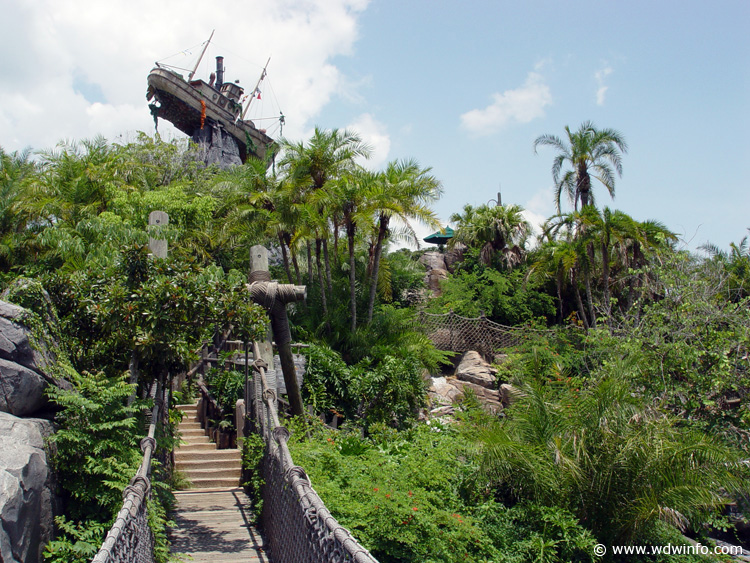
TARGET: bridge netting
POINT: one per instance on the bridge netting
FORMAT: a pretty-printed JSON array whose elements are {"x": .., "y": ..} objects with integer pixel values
[{"x": 452, "y": 332}]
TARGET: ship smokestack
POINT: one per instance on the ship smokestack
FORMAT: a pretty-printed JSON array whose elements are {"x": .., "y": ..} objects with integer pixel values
[{"x": 219, "y": 72}]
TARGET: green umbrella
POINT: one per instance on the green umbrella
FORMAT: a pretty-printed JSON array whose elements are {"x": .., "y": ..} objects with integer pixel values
[{"x": 440, "y": 237}]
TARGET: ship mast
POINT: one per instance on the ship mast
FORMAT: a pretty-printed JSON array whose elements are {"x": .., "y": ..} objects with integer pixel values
[
  {"x": 203, "y": 52},
  {"x": 255, "y": 90}
]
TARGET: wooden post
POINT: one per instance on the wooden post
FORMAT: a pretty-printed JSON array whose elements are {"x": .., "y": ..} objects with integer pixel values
[
  {"x": 275, "y": 297},
  {"x": 259, "y": 263},
  {"x": 158, "y": 246}
]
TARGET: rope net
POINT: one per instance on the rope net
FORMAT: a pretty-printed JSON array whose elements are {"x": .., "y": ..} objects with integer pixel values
[
  {"x": 298, "y": 526},
  {"x": 455, "y": 333}
]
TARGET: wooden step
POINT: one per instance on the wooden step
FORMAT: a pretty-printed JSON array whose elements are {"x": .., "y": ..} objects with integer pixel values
[
  {"x": 219, "y": 456},
  {"x": 211, "y": 473},
  {"x": 214, "y": 483},
  {"x": 200, "y": 464}
]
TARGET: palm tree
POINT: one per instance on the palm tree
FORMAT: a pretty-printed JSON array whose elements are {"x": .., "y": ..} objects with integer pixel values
[
  {"x": 403, "y": 190},
  {"x": 15, "y": 168},
  {"x": 493, "y": 229},
  {"x": 352, "y": 192},
  {"x": 599, "y": 453},
  {"x": 589, "y": 152},
  {"x": 327, "y": 156}
]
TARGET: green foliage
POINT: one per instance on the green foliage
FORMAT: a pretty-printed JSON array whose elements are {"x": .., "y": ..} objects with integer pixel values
[
  {"x": 327, "y": 383},
  {"x": 619, "y": 466},
  {"x": 504, "y": 297},
  {"x": 76, "y": 542},
  {"x": 688, "y": 348},
  {"x": 226, "y": 386},
  {"x": 96, "y": 446},
  {"x": 391, "y": 392},
  {"x": 253, "y": 449},
  {"x": 402, "y": 503}
]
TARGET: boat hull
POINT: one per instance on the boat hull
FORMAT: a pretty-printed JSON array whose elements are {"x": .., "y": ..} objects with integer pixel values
[{"x": 180, "y": 104}]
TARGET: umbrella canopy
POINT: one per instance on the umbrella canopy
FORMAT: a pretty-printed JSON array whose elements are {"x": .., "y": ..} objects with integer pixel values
[{"x": 440, "y": 237}]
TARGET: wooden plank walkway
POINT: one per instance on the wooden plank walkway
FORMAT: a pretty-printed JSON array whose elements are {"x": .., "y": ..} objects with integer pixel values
[{"x": 214, "y": 526}]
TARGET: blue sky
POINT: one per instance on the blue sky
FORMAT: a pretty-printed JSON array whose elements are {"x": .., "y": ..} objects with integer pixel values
[{"x": 464, "y": 88}]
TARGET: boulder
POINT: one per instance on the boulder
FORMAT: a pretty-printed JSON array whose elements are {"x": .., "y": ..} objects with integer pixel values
[
  {"x": 474, "y": 369},
  {"x": 26, "y": 363},
  {"x": 443, "y": 392},
  {"x": 489, "y": 398},
  {"x": 507, "y": 394},
  {"x": 433, "y": 279},
  {"x": 454, "y": 255},
  {"x": 27, "y": 501},
  {"x": 21, "y": 389},
  {"x": 433, "y": 260}
]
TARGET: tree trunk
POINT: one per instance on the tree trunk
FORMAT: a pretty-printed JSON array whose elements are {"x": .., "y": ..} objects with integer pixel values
[
  {"x": 382, "y": 230},
  {"x": 296, "y": 266},
  {"x": 605, "y": 283},
  {"x": 309, "y": 263},
  {"x": 285, "y": 256},
  {"x": 320, "y": 278},
  {"x": 350, "y": 230},
  {"x": 579, "y": 301},
  {"x": 590, "y": 298},
  {"x": 328, "y": 265}
]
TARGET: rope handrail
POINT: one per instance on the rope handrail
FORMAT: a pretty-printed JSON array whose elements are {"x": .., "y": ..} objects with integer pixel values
[
  {"x": 130, "y": 538},
  {"x": 296, "y": 521}
]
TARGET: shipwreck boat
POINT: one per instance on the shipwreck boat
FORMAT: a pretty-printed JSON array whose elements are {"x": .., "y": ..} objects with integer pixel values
[{"x": 211, "y": 113}]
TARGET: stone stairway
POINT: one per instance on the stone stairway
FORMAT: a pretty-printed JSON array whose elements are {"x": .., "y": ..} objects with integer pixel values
[{"x": 199, "y": 460}]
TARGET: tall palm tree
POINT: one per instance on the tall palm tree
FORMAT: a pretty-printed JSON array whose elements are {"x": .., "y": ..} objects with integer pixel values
[
  {"x": 588, "y": 152},
  {"x": 493, "y": 229},
  {"x": 403, "y": 190},
  {"x": 352, "y": 192},
  {"x": 327, "y": 156}
]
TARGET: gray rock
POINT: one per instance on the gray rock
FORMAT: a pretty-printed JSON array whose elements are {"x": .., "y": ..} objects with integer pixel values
[
  {"x": 474, "y": 369},
  {"x": 217, "y": 146},
  {"x": 442, "y": 392},
  {"x": 27, "y": 502},
  {"x": 433, "y": 261},
  {"x": 489, "y": 398},
  {"x": 508, "y": 394},
  {"x": 11, "y": 311},
  {"x": 21, "y": 389},
  {"x": 454, "y": 255},
  {"x": 433, "y": 279}
]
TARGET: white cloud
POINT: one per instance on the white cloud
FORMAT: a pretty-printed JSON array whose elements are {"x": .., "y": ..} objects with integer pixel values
[
  {"x": 522, "y": 105},
  {"x": 601, "y": 91},
  {"x": 111, "y": 46},
  {"x": 373, "y": 133}
]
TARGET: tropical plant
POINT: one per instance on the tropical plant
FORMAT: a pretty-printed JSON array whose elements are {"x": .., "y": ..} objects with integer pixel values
[
  {"x": 619, "y": 466},
  {"x": 403, "y": 190},
  {"x": 501, "y": 229},
  {"x": 589, "y": 152}
]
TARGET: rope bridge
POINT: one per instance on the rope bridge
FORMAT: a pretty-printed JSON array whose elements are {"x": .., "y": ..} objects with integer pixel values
[
  {"x": 296, "y": 522},
  {"x": 452, "y": 332}
]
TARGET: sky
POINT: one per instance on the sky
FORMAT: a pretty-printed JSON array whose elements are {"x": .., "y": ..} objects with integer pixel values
[{"x": 463, "y": 88}]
